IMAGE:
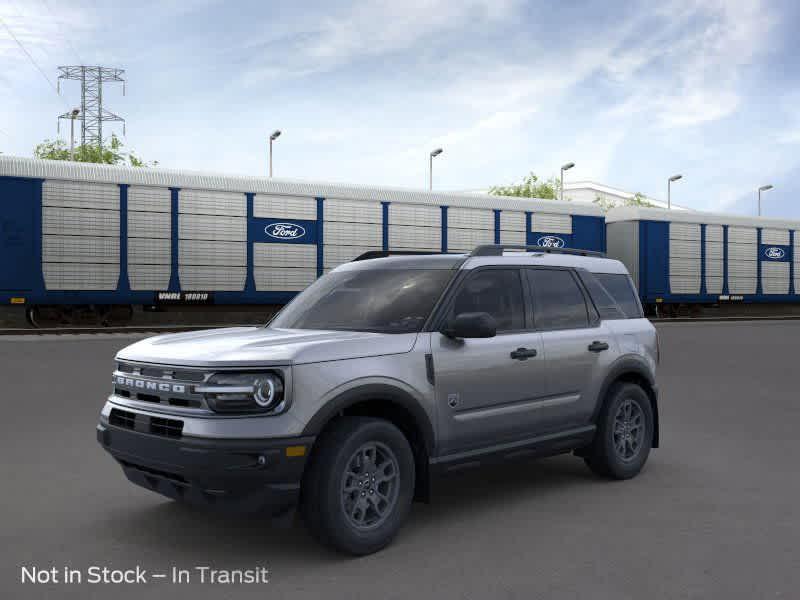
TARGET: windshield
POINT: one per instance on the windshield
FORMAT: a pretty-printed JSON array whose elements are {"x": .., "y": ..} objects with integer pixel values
[{"x": 386, "y": 301}]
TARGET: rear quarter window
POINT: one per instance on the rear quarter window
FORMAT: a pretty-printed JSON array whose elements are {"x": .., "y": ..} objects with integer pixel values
[{"x": 613, "y": 295}]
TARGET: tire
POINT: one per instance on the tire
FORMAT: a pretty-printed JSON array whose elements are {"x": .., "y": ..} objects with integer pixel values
[
  {"x": 339, "y": 510},
  {"x": 620, "y": 448}
]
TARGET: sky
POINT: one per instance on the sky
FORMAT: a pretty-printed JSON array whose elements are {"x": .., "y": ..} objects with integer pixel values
[{"x": 632, "y": 92}]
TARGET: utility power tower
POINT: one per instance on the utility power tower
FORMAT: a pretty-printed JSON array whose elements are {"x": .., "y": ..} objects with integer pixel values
[{"x": 92, "y": 114}]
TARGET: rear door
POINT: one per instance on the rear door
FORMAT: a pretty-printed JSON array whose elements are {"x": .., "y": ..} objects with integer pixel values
[
  {"x": 489, "y": 390},
  {"x": 17, "y": 204},
  {"x": 578, "y": 347}
]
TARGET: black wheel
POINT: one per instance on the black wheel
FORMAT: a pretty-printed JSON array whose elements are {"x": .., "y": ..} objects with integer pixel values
[
  {"x": 624, "y": 433},
  {"x": 359, "y": 486}
]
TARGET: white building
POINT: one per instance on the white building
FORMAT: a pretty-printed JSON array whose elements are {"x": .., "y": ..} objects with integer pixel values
[{"x": 589, "y": 191}]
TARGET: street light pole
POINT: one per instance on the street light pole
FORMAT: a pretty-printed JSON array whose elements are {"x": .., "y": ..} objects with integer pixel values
[
  {"x": 565, "y": 167},
  {"x": 669, "y": 183},
  {"x": 73, "y": 114},
  {"x": 763, "y": 188},
  {"x": 275, "y": 135},
  {"x": 436, "y": 152}
]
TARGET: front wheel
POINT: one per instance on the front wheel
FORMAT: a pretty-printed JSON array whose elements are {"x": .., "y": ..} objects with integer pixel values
[
  {"x": 624, "y": 433},
  {"x": 359, "y": 486}
]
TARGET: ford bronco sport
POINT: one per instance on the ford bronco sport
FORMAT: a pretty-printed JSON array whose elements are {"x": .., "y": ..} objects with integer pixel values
[{"x": 381, "y": 374}]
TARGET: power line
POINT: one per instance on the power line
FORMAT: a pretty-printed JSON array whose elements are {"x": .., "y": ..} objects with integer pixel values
[
  {"x": 60, "y": 24},
  {"x": 30, "y": 57}
]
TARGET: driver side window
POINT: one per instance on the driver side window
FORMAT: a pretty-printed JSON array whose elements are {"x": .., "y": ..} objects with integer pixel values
[{"x": 494, "y": 291}]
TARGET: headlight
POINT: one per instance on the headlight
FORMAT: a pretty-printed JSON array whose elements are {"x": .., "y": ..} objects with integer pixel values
[{"x": 244, "y": 392}]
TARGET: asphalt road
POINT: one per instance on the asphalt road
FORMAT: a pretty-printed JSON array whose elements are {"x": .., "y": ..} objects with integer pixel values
[{"x": 714, "y": 515}]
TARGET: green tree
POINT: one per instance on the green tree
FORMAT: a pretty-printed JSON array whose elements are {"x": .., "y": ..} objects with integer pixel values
[
  {"x": 530, "y": 187},
  {"x": 638, "y": 199},
  {"x": 110, "y": 154}
]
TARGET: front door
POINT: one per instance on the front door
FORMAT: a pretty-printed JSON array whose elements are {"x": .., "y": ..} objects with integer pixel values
[{"x": 489, "y": 390}]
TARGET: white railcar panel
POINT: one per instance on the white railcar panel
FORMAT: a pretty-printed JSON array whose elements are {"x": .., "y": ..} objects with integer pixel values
[
  {"x": 206, "y": 202},
  {"x": 513, "y": 237},
  {"x": 465, "y": 240},
  {"x": 775, "y": 236},
  {"x": 410, "y": 237},
  {"x": 743, "y": 252},
  {"x": 80, "y": 194},
  {"x": 285, "y": 255},
  {"x": 715, "y": 268},
  {"x": 742, "y": 235},
  {"x": 742, "y": 268},
  {"x": 512, "y": 220},
  {"x": 149, "y": 225},
  {"x": 352, "y": 211},
  {"x": 80, "y": 221},
  {"x": 714, "y": 285},
  {"x": 285, "y": 207},
  {"x": 714, "y": 233},
  {"x": 216, "y": 228},
  {"x": 80, "y": 249},
  {"x": 202, "y": 252},
  {"x": 80, "y": 276},
  {"x": 684, "y": 266},
  {"x": 415, "y": 214},
  {"x": 470, "y": 218},
  {"x": 551, "y": 223},
  {"x": 353, "y": 234},
  {"x": 741, "y": 285},
  {"x": 144, "y": 251},
  {"x": 283, "y": 280},
  {"x": 684, "y": 249},
  {"x": 684, "y": 231},
  {"x": 684, "y": 284},
  {"x": 149, "y": 277},
  {"x": 333, "y": 256},
  {"x": 149, "y": 199},
  {"x": 714, "y": 250},
  {"x": 202, "y": 278},
  {"x": 775, "y": 277}
]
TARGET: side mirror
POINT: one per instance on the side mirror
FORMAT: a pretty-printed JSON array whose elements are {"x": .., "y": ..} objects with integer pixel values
[{"x": 471, "y": 325}]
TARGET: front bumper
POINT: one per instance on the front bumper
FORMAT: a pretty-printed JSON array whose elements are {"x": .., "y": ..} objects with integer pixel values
[{"x": 242, "y": 476}]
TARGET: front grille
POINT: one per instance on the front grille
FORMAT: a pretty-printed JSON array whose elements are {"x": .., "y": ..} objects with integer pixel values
[
  {"x": 122, "y": 418},
  {"x": 167, "y": 427},
  {"x": 171, "y": 428},
  {"x": 160, "y": 385}
]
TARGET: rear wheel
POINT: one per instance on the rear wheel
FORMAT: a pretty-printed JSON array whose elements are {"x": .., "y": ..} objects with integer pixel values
[
  {"x": 359, "y": 486},
  {"x": 624, "y": 433}
]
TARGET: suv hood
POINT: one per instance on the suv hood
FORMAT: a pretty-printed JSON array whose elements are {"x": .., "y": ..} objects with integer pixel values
[{"x": 260, "y": 346}]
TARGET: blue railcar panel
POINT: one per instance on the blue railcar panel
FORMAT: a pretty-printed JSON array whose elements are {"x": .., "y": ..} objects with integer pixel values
[
  {"x": 19, "y": 199},
  {"x": 174, "y": 278},
  {"x": 123, "y": 285},
  {"x": 653, "y": 260},
  {"x": 589, "y": 233},
  {"x": 250, "y": 280}
]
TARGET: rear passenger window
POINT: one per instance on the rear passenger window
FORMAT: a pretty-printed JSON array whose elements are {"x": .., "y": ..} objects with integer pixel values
[
  {"x": 621, "y": 289},
  {"x": 494, "y": 291},
  {"x": 606, "y": 306},
  {"x": 558, "y": 301}
]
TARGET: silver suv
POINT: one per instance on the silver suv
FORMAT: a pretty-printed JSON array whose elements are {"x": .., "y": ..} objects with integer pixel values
[{"x": 385, "y": 372}]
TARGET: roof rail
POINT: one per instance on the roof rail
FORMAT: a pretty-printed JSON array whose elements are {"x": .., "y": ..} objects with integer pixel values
[
  {"x": 498, "y": 249},
  {"x": 370, "y": 254}
]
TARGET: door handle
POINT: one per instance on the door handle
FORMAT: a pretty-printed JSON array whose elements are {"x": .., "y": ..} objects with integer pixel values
[
  {"x": 597, "y": 346},
  {"x": 523, "y": 353}
]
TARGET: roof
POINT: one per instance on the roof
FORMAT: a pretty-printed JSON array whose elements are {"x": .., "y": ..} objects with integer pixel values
[
  {"x": 593, "y": 264},
  {"x": 12, "y": 166},
  {"x": 613, "y": 191},
  {"x": 635, "y": 213}
]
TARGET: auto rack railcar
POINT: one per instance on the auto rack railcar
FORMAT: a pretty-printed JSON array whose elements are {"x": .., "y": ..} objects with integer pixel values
[
  {"x": 77, "y": 234},
  {"x": 697, "y": 258}
]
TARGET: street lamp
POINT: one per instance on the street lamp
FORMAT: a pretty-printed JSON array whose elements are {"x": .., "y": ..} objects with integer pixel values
[
  {"x": 763, "y": 188},
  {"x": 275, "y": 135},
  {"x": 565, "y": 167},
  {"x": 73, "y": 114},
  {"x": 669, "y": 183},
  {"x": 436, "y": 152}
]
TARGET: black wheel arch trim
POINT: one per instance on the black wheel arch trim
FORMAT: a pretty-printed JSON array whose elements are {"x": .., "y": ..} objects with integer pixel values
[
  {"x": 376, "y": 392},
  {"x": 629, "y": 365}
]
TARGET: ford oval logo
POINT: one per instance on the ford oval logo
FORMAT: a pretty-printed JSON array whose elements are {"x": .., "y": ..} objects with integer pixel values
[
  {"x": 550, "y": 241},
  {"x": 285, "y": 231},
  {"x": 774, "y": 253}
]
